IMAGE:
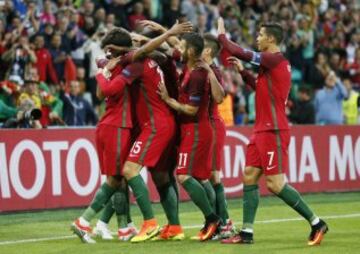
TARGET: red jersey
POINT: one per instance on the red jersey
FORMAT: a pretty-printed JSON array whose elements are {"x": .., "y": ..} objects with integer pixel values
[
  {"x": 214, "y": 112},
  {"x": 145, "y": 76},
  {"x": 194, "y": 90},
  {"x": 45, "y": 66},
  {"x": 272, "y": 85},
  {"x": 118, "y": 100},
  {"x": 171, "y": 77}
]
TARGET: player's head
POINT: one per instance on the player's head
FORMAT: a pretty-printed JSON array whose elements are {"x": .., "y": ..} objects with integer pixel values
[
  {"x": 191, "y": 46},
  {"x": 212, "y": 46},
  {"x": 269, "y": 34},
  {"x": 118, "y": 37}
]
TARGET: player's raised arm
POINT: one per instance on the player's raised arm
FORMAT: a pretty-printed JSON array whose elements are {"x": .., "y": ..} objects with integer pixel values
[
  {"x": 176, "y": 29},
  {"x": 266, "y": 59},
  {"x": 172, "y": 40},
  {"x": 233, "y": 48}
]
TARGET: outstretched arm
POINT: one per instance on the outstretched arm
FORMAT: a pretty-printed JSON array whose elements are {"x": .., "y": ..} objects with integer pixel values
[
  {"x": 267, "y": 60},
  {"x": 176, "y": 29}
]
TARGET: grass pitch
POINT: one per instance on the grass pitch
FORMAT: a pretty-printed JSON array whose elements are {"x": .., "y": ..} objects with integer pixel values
[{"x": 278, "y": 229}]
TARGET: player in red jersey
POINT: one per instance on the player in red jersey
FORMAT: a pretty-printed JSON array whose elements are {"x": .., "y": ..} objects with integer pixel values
[
  {"x": 157, "y": 128},
  {"x": 267, "y": 152},
  {"x": 210, "y": 52},
  {"x": 196, "y": 132},
  {"x": 112, "y": 135}
]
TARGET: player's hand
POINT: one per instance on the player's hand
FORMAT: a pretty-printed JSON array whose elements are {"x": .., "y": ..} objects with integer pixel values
[
  {"x": 162, "y": 91},
  {"x": 152, "y": 25},
  {"x": 221, "y": 26},
  {"x": 180, "y": 28},
  {"x": 112, "y": 63},
  {"x": 236, "y": 63}
]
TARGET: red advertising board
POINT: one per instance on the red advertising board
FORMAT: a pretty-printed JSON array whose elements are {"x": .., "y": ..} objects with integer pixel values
[{"x": 43, "y": 169}]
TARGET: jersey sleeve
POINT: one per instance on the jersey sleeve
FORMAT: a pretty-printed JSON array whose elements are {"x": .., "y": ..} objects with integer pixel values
[
  {"x": 111, "y": 87},
  {"x": 196, "y": 87},
  {"x": 132, "y": 72}
]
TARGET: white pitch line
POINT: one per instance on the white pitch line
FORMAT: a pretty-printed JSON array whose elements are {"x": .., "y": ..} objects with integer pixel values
[{"x": 341, "y": 216}]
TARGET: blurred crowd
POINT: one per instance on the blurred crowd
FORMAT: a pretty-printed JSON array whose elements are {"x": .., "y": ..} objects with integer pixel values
[{"x": 48, "y": 51}]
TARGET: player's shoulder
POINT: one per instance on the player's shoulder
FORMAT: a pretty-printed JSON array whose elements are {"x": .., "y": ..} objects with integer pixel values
[{"x": 198, "y": 70}]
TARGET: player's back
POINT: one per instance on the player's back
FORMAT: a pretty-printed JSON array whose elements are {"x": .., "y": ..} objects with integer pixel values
[
  {"x": 148, "y": 104},
  {"x": 118, "y": 107},
  {"x": 272, "y": 90}
]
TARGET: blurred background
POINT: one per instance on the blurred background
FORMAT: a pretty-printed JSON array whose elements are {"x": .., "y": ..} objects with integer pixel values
[{"x": 48, "y": 51}]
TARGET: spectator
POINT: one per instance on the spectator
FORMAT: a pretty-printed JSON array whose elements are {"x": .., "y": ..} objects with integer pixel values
[
  {"x": 44, "y": 62},
  {"x": 7, "y": 105},
  {"x": 19, "y": 57},
  {"x": 316, "y": 73},
  {"x": 58, "y": 56},
  {"x": 328, "y": 101},
  {"x": 136, "y": 16},
  {"x": 251, "y": 108},
  {"x": 93, "y": 47},
  {"x": 303, "y": 112},
  {"x": 191, "y": 9},
  {"x": 351, "y": 106},
  {"x": 354, "y": 70},
  {"x": 47, "y": 16},
  {"x": 171, "y": 13},
  {"x": 77, "y": 111}
]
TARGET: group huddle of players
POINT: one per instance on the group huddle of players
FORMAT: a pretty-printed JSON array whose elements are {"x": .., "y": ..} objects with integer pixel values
[
  {"x": 169, "y": 122},
  {"x": 162, "y": 120}
]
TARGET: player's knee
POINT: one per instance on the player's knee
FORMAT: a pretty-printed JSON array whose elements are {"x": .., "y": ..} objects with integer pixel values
[
  {"x": 249, "y": 177},
  {"x": 274, "y": 186},
  {"x": 215, "y": 178},
  {"x": 129, "y": 171},
  {"x": 182, "y": 178}
]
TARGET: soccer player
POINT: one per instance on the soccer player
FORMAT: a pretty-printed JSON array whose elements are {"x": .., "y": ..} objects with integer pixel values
[
  {"x": 196, "y": 132},
  {"x": 113, "y": 140},
  {"x": 211, "y": 51},
  {"x": 267, "y": 152},
  {"x": 157, "y": 130}
]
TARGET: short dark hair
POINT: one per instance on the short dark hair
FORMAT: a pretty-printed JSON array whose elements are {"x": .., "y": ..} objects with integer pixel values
[
  {"x": 212, "y": 42},
  {"x": 305, "y": 89},
  {"x": 117, "y": 36},
  {"x": 195, "y": 41},
  {"x": 275, "y": 30}
]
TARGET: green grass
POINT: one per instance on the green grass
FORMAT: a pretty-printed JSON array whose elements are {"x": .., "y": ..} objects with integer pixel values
[{"x": 271, "y": 237}]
